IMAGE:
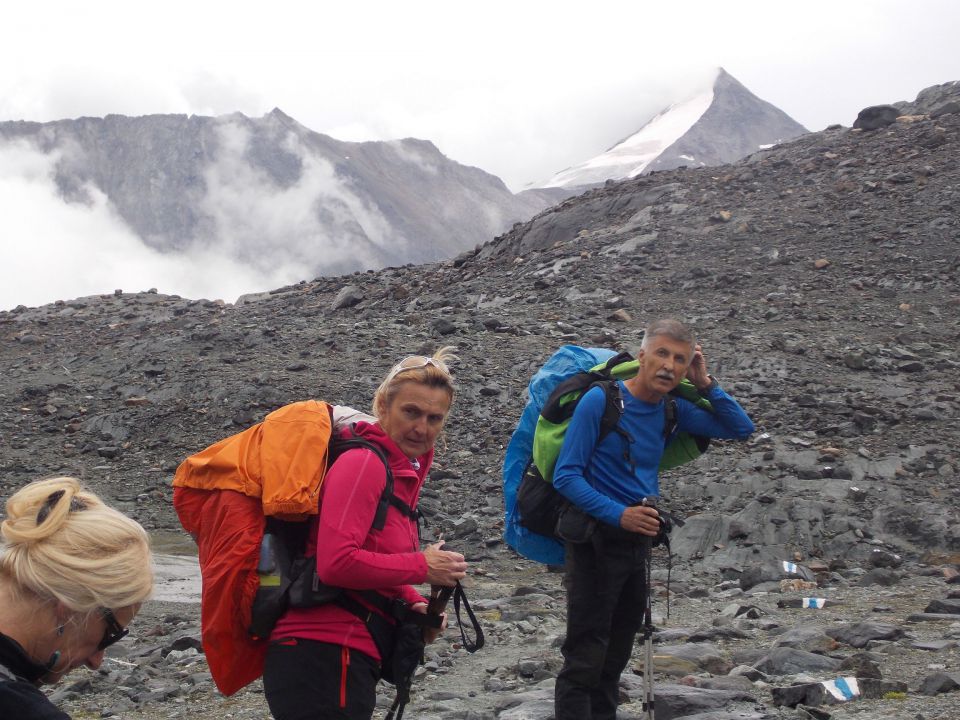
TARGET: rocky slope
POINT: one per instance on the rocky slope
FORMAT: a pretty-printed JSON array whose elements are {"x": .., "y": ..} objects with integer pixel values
[{"x": 821, "y": 276}]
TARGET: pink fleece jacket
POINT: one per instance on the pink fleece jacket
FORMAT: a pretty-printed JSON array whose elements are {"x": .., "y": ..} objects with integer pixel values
[{"x": 354, "y": 556}]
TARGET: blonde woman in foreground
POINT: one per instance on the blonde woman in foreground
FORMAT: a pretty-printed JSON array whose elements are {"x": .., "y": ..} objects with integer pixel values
[{"x": 73, "y": 573}]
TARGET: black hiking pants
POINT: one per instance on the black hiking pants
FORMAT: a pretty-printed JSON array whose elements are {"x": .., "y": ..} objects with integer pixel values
[
  {"x": 606, "y": 589},
  {"x": 311, "y": 680}
]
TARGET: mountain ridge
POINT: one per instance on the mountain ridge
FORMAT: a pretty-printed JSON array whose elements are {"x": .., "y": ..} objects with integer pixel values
[{"x": 177, "y": 181}]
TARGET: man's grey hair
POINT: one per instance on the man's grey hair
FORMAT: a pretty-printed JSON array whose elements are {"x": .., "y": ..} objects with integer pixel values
[{"x": 671, "y": 328}]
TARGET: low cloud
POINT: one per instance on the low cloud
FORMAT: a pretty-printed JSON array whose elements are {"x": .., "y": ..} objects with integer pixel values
[
  {"x": 258, "y": 232},
  {"x": 54, "y": 250},
  {"x": 297, "y": 225}
]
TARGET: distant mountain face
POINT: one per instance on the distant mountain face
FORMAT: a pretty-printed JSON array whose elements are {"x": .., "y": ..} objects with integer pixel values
[
  {"x": 269, "y": 190},
  {"x": 721, "y": 125}
]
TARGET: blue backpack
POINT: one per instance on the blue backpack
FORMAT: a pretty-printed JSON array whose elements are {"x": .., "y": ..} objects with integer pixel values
[
  {"x": 567, "y": 361},
  {"x": 519, "y": 467}
]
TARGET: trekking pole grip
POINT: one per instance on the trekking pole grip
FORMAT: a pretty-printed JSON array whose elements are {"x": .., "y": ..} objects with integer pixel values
[
  {"x": 436, "y": 605},
  {"x": 439, "y": 597}
]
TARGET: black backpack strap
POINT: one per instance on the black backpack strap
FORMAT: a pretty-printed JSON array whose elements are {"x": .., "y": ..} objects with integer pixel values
[
  {"x": 618, "y": 359},
  {"x": 612, "y": 410},
  {"x": 610, "y": 422},
  {"x": 393, "y": 608},
  {"x": 702, "y": 441},
  {"x": 404, "y": 508},
  {"x": 670, "y": 417},
  {"x": 398, "y": 611},
  {"x": 555, "y": 412},
  {"x": 421, "y": 523}
]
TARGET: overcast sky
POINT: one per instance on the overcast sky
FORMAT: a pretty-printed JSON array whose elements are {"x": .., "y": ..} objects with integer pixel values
[{"x": 522, "y": 89}]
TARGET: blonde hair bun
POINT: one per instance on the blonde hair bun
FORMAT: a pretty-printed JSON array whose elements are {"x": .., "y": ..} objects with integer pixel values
[{"x": 62, "y": 542}]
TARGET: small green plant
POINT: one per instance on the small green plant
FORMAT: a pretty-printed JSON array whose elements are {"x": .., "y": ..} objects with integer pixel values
[{"x": 894, "y": 695}]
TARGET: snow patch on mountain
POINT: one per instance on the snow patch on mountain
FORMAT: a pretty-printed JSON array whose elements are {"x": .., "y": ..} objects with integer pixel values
[{"x": 632, "y": 156}]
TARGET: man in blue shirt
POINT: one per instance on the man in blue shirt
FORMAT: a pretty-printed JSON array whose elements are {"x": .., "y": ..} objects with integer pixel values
[{"x": 606, "y": 577}]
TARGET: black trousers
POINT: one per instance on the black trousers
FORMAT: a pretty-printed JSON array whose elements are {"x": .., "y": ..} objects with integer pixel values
[
  {"x": 606, "y": 591},
  {"x": 310, "y": 680}
]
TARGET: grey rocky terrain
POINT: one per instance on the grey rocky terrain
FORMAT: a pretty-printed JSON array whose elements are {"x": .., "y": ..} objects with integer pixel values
[{"x": 821, "y": 276}]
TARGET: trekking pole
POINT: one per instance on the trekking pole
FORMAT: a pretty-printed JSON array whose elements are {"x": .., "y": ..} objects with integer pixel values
[
  {"x": 439, "y": 596},
  {"x": 648, "y": 701},
  {"x": 648, "y": 638}
]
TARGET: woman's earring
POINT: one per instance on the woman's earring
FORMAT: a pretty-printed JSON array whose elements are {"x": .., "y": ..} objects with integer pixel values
[{"x": 52, "y": 661}]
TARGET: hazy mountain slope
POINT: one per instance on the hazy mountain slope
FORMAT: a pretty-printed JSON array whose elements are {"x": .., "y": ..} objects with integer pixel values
[{"x": 268, "y": 190}]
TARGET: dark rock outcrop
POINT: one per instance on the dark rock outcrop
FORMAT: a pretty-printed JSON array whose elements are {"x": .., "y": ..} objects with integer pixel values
[{"x": 876, "y": 117}]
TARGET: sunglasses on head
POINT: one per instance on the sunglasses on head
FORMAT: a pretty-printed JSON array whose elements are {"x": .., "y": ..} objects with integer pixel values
[
  {"x": 417, "y": 362},
  {"x": 114, "y": 632}
]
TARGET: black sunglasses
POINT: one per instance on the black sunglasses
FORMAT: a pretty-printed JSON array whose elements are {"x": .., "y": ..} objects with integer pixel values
[{"x": 114, "y": 631}]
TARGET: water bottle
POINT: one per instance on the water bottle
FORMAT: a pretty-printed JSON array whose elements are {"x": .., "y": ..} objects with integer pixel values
[
  {"x": 267, "y": 566},
  {"x": 268, "y": 603}
]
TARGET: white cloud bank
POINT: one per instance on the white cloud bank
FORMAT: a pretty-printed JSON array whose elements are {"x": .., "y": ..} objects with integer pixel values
[
  {"x": 54, "y": 250},
  {"x": 257, "y": 235},
  {"x": 313, "y": 222}
]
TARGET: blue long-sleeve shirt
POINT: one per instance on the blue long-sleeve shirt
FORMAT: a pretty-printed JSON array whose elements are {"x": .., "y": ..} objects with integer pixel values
[{"x": 599, "y": 480}]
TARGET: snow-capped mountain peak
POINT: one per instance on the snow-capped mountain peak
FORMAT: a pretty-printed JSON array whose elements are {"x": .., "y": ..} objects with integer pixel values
[{"x": 712, "y": 127}]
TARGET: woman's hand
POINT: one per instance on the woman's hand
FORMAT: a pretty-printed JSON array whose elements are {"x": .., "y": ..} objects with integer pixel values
[
  {"x": 429, "y": 633},
  {"x": 443, "y": 566}
]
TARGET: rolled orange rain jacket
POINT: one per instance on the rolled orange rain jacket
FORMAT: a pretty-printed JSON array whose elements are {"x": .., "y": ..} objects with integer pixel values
[{"x": 221, "y": 496}]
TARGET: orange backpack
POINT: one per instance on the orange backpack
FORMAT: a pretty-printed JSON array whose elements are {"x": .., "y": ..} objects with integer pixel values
[{"x": 222, "y": 496}]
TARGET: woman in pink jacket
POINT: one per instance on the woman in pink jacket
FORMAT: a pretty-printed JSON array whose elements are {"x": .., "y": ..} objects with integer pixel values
[{"x": 323, "y": 661}]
